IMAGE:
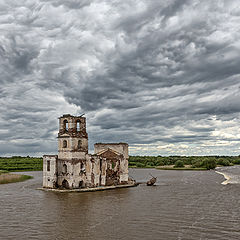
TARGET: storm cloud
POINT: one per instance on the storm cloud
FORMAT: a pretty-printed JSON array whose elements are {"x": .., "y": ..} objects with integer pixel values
[{"x": 163, "y": 76}]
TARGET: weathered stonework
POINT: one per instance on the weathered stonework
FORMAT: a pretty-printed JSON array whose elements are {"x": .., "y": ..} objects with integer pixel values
[{"x": 74, "y": 168}]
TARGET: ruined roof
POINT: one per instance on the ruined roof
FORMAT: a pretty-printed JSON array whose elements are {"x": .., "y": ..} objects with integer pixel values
[
  {"x": 69, "y": 115},
  {"x": 108, "y": 150}
]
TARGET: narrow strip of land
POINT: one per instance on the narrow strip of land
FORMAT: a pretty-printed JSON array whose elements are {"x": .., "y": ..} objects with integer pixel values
[
  {"x": 185, "y": 168},
  {"x": 227, "y": 178},
  {"x": 12, "y": 178}
]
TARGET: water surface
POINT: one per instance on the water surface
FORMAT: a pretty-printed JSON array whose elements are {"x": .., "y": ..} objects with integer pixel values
[{"x": 183, "y": 205}]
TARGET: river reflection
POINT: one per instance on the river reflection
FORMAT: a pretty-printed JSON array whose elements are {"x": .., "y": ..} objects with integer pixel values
[{"x": 183, "y": 205}]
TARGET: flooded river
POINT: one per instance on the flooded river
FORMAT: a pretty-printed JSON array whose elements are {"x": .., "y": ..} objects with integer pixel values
[{"x": 183, "y": 205}]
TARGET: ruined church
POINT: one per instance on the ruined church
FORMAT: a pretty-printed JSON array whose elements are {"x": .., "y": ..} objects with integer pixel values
[{"x": 74, "y": 168}]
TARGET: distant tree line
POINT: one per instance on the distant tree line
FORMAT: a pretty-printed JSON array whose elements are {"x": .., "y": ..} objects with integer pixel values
[
  {"x": 208, "y": 162},
  {"x": 18, "y": 163}
]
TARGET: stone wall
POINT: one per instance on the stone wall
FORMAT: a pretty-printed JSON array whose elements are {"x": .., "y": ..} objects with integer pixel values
[
  {"x": 88, "y": 172},
  {"x": 121, "y": 148},
  {"x": 118, "y": 147},
  {"x": 50, "y": 171},
  {"x": 72, "y": 173}
]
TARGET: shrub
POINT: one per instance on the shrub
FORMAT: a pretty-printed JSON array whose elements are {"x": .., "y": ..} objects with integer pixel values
[
  {"x": 140, "y": 165},
  {"x": 236, "y": 161},
  {"x": 223, "y": 162},
  {"x": 197, "y": 164},
  {"x": 179, "y": 164},
  {"x": 209, "y": 163},
  {"x": 150, "y": 163},
  {"x": 160, "y": 163},
  {"x": 132, "y": 164}
]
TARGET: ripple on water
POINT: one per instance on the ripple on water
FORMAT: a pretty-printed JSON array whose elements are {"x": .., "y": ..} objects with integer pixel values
[{"x": 183, "y": 205}]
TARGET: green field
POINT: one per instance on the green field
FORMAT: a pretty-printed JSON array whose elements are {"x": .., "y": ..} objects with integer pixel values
[
  {"x": 3, "y": 171},
  {"x": 17, "y": 163}
]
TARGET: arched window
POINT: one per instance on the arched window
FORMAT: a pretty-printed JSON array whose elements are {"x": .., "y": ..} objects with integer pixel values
[
  {"x": 78, "y": 125},
  {"x": 82, "y": 166},
  {"x": 65, "y": 125},
  {"x": 64, "y": 143},
  {"x": 64, "y": 168},
  {"x": 79, "y": 144}
]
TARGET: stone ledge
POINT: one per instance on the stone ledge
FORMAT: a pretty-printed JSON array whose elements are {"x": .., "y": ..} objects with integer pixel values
[{"x": 88, "y": 189}]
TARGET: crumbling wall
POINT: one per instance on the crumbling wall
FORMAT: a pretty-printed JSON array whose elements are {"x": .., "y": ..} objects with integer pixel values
[
  {"x": 73, "y": 171},
  {"x": 112, "y": 172},
  {"x": 103, "y": 168},
  {"x": 121, "y": 148},
  {"x": 95, "y": 173},
  {"x": 50, "y": 171}
]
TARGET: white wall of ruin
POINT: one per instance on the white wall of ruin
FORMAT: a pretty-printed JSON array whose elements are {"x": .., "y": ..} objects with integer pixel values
[
  {"x": 121, "y": 148},
  {"x": 87, "y": 170},
  {"x": 49, "y": 172}
]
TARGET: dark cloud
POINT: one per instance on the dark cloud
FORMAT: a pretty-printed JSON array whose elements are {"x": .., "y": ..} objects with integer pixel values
[{"x": 160, "y": 75}]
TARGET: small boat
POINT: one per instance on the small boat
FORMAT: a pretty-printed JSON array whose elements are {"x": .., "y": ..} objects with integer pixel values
[{"x": 152, "y": 181}]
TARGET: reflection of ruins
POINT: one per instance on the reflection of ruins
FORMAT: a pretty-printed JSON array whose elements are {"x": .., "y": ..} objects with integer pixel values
[{"x": 73, "y": 167}]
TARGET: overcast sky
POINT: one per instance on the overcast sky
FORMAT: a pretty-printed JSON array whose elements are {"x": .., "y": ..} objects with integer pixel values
[{"x": 163, "y": 76}]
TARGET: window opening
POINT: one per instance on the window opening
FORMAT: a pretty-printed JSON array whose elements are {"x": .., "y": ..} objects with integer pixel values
[
  {"x": 64, "y": 143},
  {"x": 48, "y": 165},
  {"x": 78, "y": 125},
  {"x": 65, "y": 125},
  {"x": 64, "y": 168},
  {"x": 79, "y": 144}
]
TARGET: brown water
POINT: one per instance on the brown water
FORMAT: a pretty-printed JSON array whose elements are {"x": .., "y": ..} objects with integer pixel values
[{"x": 183, "y": 205}]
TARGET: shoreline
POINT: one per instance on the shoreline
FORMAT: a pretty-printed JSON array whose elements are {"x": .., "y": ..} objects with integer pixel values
[
  {"x": 227, "y": 178},
  {"x": 171, "y": 167},
  {"x": 88, "y": 189},
  {"x": 181, "y": 169}
]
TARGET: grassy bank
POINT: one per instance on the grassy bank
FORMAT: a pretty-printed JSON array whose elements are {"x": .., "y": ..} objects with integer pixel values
[
  {"x": 185, "y": 168},
  {"x": 17, "y": 163},
  {"x": 12, "y": 178},
  {"x": 6, "y": 177}
]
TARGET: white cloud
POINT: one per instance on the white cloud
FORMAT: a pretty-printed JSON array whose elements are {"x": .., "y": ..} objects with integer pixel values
[{"x": 160, "y": 75}]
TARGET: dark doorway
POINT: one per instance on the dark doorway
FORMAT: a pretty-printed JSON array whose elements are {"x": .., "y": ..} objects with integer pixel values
[
  {"x": 65, "y": 184},
  {"x": 80, "y": 184},
  {"x": 111, "y": 177}
]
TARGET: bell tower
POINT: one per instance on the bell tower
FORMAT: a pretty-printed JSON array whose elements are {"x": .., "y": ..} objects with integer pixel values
[{"x": 72, "y": 137}]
